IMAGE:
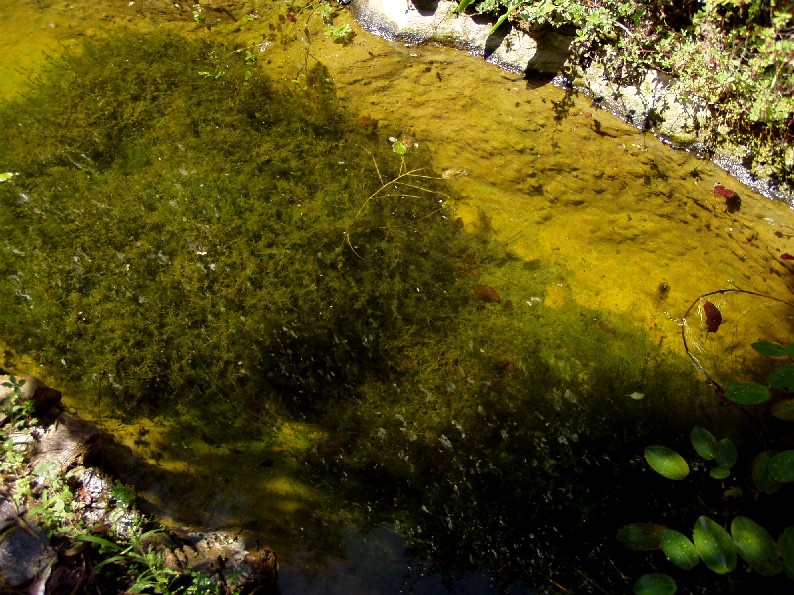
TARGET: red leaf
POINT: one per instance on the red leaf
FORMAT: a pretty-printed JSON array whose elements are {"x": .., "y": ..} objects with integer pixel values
[
  {"x": 713, "y": 317},
  {"x": 292, "y": 18},
  {"x": 786, "y": 256},
  {"x": 721, "y": 190},
  {"x": 588, "y": 115}
]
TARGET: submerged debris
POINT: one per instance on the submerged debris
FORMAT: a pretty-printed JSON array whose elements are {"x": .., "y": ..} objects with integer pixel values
[
  {"x": 713, "y": 317},
  {"x": 486, "y": 293}
]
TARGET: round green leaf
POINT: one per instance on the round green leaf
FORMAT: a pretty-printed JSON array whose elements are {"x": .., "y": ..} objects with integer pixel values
[
  {"x": 782, "y": 378},
  {"x": 714, "y": 546},
  {"x": 784, "y": 410},
  {"x": 785, "y": 544},
  {"x": 755, "y": 546},
  {"x": 747, "y": 393},
  {"x": 720, "y": 472},
  {"x": 769, "y": 349},
  {"x": 704, "y": 442},
  {"x": 655, "y": 584},
  {"x": 666, "y": 462},
  {"x": 781, "y": 466},
  {"x": 761, "y": 478},
  {"x": 725, "y": 454},
  {"x": 641, "y": 536},
  {"x": 679, "y": 549}
]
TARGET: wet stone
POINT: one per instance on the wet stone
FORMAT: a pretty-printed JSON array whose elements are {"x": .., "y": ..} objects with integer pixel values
[
  {"x": 67, "y": 442},
  {"x": 23, "y": 555}
]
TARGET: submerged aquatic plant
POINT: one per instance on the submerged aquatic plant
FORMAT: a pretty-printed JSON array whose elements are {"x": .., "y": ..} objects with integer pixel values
[{"x": 171, "y": 233}]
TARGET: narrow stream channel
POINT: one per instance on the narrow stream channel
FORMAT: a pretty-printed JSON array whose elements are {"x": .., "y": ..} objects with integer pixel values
[{"x": 499, "y": 449}]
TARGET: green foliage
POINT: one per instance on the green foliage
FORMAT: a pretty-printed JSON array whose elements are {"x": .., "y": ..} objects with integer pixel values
[
  {"x": 755, "y": 546},
  {"x": 711, "y": 543},
  {"x": 666, "y": 462},
  {"x": 714, "y": 545},
  {"x": 747, "y": 393},
  {"x": 781, "y": 379},
  {"x": 642, "y": 536},
  {"x": 203, "y": 235},
  {"x": 654, "y": 584},
  {"x": 781, "y": 466},
  {"x": 679, "y": 549}
]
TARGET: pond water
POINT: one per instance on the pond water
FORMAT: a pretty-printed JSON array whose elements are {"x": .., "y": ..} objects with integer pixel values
[{"x": 493, "y": 443}]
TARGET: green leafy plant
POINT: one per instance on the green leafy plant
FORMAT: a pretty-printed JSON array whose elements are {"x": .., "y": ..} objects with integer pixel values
[
  {"x": 717, "y": 547},
  {"x": 17, "y": 409},
  {"x": 142, "y": 563}
]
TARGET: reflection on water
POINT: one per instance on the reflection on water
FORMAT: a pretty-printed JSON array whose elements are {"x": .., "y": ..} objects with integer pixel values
[{"x": 511, "y": 451}]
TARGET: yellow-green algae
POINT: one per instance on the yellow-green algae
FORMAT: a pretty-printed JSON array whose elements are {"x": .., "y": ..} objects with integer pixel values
[{"x": 576, "y": 220}]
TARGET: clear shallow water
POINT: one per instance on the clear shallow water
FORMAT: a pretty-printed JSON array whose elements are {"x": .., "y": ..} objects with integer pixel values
[{"x": 596, "y": 216}]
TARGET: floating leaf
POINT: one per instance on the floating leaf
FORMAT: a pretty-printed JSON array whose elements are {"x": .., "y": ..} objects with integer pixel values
[
  {"x": 781, "y": 466},
  {"x": 784, "y": 410},
  {"x": 720, "y": 472},
  {"x": 725, "y": 454},
  {"x": 714, "y": 546},
  {"x": 704, "y": 442},
  {"x": 785, "y": 544},
  {"x": 782, "y": 378},
  {"x": 400, "y": 148},
  {"x": 769, "y": 349},
  {"x": 755, "y": 546},
  {"x": 747, "y": 393},
  {"x": 666, "y": 462},
  {"x": 679, "y": 549},
  {"x": 641, "y": 537},
  {"x": 761, "y": 478},
  {"x": 655, "y": 584}
]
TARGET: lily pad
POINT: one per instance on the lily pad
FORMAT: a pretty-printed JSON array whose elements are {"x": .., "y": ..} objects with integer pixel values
[
  {"x": 760, "y": 472},
  {"x": 747, "y": 393},
  {"x": 641, "y": 537},
  {"x": 720, "y": 472},
  {"x": 782, "y": 378},
  {"x": 666, "y": 462},
  {"x": 679, "y": 549},
  {"x": 769, "y": 349},
  {"x": 704, "y": 442},
  {"x": 781, "y": 466},
  {"x": 655, "y": 584},
  {"x": 714, "y": 546},
  {"x": 725, "y": 454},
  {"x": 784, "y": 410},
  {"x": 755, "y": 546}
]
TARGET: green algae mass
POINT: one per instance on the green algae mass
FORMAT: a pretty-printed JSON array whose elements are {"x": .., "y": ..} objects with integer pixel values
[
  {"x": 182, "y": 228},
  {"x": 182, "y": 232}
]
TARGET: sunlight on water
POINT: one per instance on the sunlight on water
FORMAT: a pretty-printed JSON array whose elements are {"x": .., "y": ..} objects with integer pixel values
[{"x": 595, "y": 242}]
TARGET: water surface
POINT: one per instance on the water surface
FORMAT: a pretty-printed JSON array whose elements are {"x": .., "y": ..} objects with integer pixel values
[{"x": 599, "y": 236}]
